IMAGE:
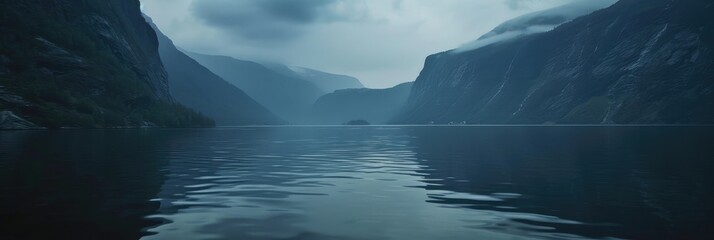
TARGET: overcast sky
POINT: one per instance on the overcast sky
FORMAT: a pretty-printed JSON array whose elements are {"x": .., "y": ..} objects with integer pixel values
[{"x": 381, "y": 42}]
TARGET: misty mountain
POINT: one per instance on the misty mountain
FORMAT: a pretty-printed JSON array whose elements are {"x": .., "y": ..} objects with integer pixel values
[
  {"x": 84, "y": 64},
  {"x": 328, "y": 82},
  {"x": 537, "y": 22},
  {"x": 377, "y": 106},
  {"x": 288, "y": 97},
  {"x": 198, "y": 88},
  {"x": 634, "y": 62}
]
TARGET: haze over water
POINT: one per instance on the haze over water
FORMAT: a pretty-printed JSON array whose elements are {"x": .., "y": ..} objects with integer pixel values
[{"x": 359, "y": 183}]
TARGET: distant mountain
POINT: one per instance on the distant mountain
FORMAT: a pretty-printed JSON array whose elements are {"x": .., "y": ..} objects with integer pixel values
[
  {"x": 328, "y": 82},
  {"x": 288, "y": 97},
  {"x": 638, "y": 61},
  {"x": 376, "y": 106},
  {"x": 198, "y": 88},
  {"x": 67, "y": 63}
]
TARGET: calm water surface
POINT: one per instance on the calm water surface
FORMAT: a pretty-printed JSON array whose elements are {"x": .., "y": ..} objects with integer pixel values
[{"x": 359, "y": 183}]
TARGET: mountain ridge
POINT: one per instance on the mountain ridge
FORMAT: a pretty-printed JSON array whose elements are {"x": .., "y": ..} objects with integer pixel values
[
  {"x": 288, "y": 97},
  {"x": 636, "y": 62},
  {"x": 376, "y": 106},
  {"x": 328, "y": 82},
  {"x": 200, "y": 89}
]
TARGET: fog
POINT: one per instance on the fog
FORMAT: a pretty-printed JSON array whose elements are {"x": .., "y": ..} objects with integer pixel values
[
  {"x": 381, "y": 42},
  {"x": 537, "y": 22}
]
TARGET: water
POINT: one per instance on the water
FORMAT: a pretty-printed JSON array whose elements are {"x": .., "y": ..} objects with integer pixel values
[{"x": 359, "y": 183}]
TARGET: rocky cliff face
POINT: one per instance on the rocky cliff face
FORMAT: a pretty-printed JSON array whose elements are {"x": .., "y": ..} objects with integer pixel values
[
  {"x": 377, "y": 106},
  {"x": 85, "y": 63},
  {"x": 635, "y": 62},
  {"x": 135, "y": 43}
]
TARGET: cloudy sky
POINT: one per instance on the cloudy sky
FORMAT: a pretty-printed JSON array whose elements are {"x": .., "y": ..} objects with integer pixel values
[{"x": 381, "y": 42}]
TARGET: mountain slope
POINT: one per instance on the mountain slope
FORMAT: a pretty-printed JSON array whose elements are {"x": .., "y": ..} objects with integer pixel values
[
  {"x": 288, "y": 97},
  {"x": 84, "y": 64},
  {"x": 537, "y": 22},
  {"x": 198, "y": 88},
  {"x": 377, "y": 106},
  {"x": 634, "y": 62},
  {"x": 328, "y": 82}
]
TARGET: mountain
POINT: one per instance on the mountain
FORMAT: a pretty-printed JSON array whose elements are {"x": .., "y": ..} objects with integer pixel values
[
  {"x": 288, "y": 97},
  {"x": 197, "y": 87},
  {"x": 636, "y": 62},
  {"x": 376, "y": 106},
  {"x": 537, "y": 22},
  {"x": 328, "y": 82},
  {"x": 69, "y": 63}
]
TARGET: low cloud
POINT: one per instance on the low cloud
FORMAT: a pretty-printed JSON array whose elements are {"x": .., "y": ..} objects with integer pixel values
[
  {"x": 537, "y": 22},
  {"x": 381, "y": 42},
  {"x": 504, "y": 37}
]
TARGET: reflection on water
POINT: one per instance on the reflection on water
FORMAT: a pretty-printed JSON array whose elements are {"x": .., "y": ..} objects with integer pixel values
[
  {"x": 359, "y": 183},
  {"x": 78, "y": 184}
]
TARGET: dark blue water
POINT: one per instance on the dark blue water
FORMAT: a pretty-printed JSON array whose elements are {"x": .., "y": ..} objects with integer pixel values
[{"x": 359, "y": 183}]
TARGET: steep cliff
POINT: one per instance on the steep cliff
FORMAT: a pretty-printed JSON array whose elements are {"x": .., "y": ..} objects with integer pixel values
[
  {"x": 200, "y": 89},
  {"x": 635, "y": 62},
  {"x": 377, "y": 106},
  {"x": 84, "y": 63}
]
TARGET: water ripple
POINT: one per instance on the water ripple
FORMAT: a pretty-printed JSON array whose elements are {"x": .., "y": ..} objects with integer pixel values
[{"x": 361, "y": 183}]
